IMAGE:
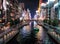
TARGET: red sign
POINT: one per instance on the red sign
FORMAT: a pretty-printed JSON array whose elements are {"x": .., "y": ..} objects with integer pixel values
[{"x": 40, "y": 1}]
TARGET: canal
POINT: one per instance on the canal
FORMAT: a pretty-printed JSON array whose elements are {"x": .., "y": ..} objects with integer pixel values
[{"x": 27, "y": 35}]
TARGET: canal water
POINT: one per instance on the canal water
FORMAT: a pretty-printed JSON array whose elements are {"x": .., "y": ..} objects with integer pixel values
[{"x": 27, "y": 36}]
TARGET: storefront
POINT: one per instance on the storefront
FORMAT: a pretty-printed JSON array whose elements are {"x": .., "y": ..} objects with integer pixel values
[
  {"x": 59, "y": 9},
  {"x": 8, "y": 19},
  {"x": 0, "y": 9},
  {"x": 52, "y": 13}
]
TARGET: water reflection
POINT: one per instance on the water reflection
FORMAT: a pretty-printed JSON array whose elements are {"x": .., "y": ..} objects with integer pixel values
[
  {"x": 27, "y": 36},
  {"x": 25, "y": 31}
]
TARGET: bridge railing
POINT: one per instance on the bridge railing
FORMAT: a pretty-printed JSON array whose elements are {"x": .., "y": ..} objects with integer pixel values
[
  {"x": 8, "y": 34},
  {"x": 53, "y": 32},
  {"x": 54, "y": 28}
]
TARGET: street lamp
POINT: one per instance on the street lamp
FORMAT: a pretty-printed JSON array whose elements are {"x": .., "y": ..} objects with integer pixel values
[
  {"x": 7, "y": 2},
  {"x": 37, "y": 12}
]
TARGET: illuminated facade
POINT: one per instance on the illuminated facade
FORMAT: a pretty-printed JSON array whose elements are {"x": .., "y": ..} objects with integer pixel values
[
  {"x": 59, "y": 9},
  {"x": 40, "y": 1},
  {"x": 0, "y": 8},
  {"x": 8, "y": 20}
]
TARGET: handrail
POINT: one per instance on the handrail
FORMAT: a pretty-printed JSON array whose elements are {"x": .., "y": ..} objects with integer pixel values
[
  {"x": 54, "y": 37},
  {"x": 51, "y": 34},
  {"x": 56, "y": 30},
  {"x": 9, "y": 30},
  {"x": 13, "y": 28},
  {"x": 50, "y": 26}
]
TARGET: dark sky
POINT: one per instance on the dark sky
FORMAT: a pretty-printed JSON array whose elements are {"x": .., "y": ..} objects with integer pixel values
[{"x": 31, "y": 4}]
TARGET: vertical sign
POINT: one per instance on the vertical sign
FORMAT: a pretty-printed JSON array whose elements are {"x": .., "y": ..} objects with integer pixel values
[{"x": 0, "y": 8}]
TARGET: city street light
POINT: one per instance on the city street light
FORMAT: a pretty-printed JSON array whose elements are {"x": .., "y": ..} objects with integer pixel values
[
  {"x": 37, "y": 12},
  {"x": 7, "y": 2}
]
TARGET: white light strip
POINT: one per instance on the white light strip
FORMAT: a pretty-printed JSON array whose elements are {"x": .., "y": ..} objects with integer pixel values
[
  {"x": 4, "y": 5},
  {"x": 7, "y": 3},
  {"x": 51, "y": 0},
  {"x": 43, "y": 4},
  {"x": 55, "y": 5}
]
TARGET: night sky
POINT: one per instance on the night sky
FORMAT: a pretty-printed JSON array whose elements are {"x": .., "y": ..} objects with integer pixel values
[{"x": 31, "y": 4}]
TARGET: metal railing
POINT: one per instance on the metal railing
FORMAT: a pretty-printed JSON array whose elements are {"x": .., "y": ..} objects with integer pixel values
[
  {"x": 53, "y": 32},
  {"x": 8, "y": 34},
  {"x": 54, "y": 28}
]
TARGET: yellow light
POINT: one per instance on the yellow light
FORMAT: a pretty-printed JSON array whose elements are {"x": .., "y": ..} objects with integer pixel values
[{"x": 40, "y": 1}]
